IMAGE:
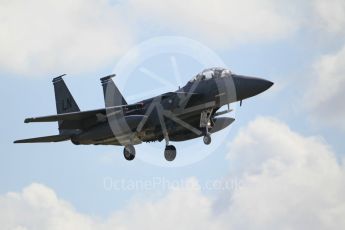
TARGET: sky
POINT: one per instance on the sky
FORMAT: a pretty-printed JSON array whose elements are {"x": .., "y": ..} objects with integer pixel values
[{"x": 279, "y": 165}]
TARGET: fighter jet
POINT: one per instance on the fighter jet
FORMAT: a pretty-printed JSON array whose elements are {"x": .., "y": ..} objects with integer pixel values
[{"x": 190, "y": 112}]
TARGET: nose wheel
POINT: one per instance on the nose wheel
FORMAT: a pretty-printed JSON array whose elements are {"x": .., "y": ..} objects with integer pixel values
[
  {"x": 170, "y": 152},
  {"x": 205, "y": 122},
  {"x": 129, "y": 152}
]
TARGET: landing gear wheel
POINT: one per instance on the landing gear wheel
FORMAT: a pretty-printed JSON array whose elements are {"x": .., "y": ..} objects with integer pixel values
[
  {"x": 207, "y": 139},
  {"x": 170, "y": 152},
  {"x": 129, "y": 152}
]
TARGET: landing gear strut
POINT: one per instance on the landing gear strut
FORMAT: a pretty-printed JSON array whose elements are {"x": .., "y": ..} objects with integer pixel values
[
  {"x": 170, "y": 150},
  {"x": 129, "y": 152}
]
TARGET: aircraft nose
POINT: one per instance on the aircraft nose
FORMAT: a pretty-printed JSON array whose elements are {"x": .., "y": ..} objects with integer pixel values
[{"x": 249, "y": 86}]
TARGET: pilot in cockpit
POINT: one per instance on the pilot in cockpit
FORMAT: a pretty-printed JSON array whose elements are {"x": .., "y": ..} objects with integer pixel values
[{"x": 211, "y": 73}]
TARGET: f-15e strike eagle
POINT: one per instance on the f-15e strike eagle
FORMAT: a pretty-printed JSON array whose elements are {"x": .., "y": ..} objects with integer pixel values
[{"x": 189, "y": 112}]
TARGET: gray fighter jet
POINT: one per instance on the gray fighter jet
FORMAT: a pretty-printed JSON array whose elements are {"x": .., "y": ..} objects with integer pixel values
[{"x": 187, "y": 113}]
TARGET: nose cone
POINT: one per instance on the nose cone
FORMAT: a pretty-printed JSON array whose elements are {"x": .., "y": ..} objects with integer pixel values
[{"x": 249, "y": 86}]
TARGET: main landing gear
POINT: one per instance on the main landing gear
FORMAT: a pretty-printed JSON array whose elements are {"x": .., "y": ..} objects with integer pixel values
[
  {"x": 207, "y": 139},
  {"x": 129, "y": 152},
  {"x": 170, "y": 152}
]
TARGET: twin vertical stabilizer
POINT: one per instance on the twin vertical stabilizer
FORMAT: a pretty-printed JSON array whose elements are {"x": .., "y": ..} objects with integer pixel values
[{"x": 112, "y": 95}]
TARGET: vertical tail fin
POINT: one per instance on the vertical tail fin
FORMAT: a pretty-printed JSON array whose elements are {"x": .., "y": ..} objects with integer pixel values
[
  {"x": 64, "y": 100},
  {"x": 112, "y": 95}
]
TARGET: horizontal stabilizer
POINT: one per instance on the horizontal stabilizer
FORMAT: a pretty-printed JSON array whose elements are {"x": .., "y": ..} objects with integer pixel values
[
  {"x": 64, "y": 116},
  {"x": 53, "y": 138}
]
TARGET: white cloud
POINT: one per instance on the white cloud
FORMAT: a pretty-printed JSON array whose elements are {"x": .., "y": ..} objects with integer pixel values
[
  {"x": 50, "y": 37},
  {"x": 44, "y": 36},
  {"x": 222, "y": 23},
  {"x": 37, "y": 207},
  {"x": 326, "y": 92},
  {"x": 331, "y": 14},
  {"x": 182, "y": 208},
  {"x": 288, "y": 181}
]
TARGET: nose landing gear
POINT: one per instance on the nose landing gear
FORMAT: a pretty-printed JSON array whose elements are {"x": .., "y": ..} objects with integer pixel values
[{"x": 205, "y": 122}]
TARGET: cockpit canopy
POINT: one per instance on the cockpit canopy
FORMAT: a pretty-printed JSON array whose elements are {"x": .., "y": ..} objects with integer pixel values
[{"x": 211, "y": 73}]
